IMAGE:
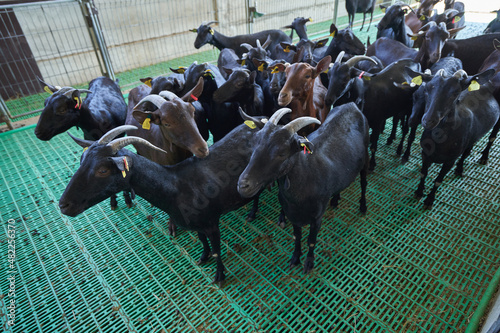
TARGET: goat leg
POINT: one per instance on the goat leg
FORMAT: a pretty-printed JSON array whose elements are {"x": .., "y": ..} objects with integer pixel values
[
  {"x": 392, "y": 136},
  {"x": 112, "y": 201},
  {"x": 128, "y": 200},
  {"x": 459, "y": 170},
  {"x": 282, "y": 219},
  {"x": 426, "y": 163},
  {"x": 429, "y": 200},
  {"x": 313, "y": 234},
  {"x": 297, "y": 236},
  {"x": 404, "y": 131},
  {"x": 334, "y": 201},
  {"x": 255, "y": 209},
  {"x": 373, "y": 147},
  {"x": 364, "y": 183},
  {"x": 486, "y": 152},
  {"x": 172, "y": 229},
  {"x": 205, "y": 255},
  {"x": 214, "y": 237},
  {"x": 411, "y": 139}
]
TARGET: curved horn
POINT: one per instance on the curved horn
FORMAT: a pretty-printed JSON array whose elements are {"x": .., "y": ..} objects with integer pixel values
[
  {"x": 442, "y": 25},
  {"x": 81, "y": 142},
  {"x": 111, "y": 134},
  {"x": 267, "y": 42},
  {"x": 67, "y": 91},
  {"x": 428, "y": 25},
  {"x": 354, "y": 60},
  {"x": 450, "y": 12},
  {"x": 406, "y": 5},
  {"x": 168, "y": 95},
  {"x": 119, "y": 143},
  {"x": 440, "y": 72},
  {"x": 258, "y": 43},
  {"x": 84, "y": 91},
  {"x": 339, "y": 57},
  {"x": 247, "y": 46},
  {"x": 278, "y": 115},
  {"x": 210, "y": 23},
  {"x": 460, "y": 74},
  {"x": 155, "y": 99},
  {"x": 295, "y": 125}
]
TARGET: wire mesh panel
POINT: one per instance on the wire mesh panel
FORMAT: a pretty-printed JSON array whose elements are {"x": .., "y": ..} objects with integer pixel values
[
  {"x": 143, "y": 37},
  {"x": 50, "y": 40}
]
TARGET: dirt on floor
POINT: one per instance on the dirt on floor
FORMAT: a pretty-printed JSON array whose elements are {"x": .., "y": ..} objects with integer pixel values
[{"x": 19, "y": 124}]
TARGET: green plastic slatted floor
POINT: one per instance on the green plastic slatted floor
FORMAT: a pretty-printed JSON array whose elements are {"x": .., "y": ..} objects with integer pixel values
[{"x": 397, "y": 269}]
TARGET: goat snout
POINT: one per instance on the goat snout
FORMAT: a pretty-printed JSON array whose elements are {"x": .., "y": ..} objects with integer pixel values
[
  {"x": 247, "y": 188},
  {"x": 202, "y": 152},
  {"x": 284, "y": 99}
]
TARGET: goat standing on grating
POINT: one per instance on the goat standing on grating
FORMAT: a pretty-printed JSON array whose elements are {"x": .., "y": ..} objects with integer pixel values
[{"x": 338, "y": 153}]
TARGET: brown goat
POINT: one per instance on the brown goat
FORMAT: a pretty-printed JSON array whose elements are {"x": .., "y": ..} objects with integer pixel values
[{"x": 303, "y": 91}]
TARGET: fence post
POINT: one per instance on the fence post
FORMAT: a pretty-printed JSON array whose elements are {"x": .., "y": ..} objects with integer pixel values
[
  {"x": 89, "y": 12},
  {"x": 335, "y": 12},
  {"x": 4, "y": 115}
]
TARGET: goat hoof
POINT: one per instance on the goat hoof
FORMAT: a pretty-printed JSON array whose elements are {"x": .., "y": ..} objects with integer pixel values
[
  {"x": 404, "y": 160},
  {"x": 308, "y": 265},
  {"x": 114, "y": 207},
  {"x": 418, "y": 195},
  {"x": 172, "y": 229},
  {"x": 130, "y": 205},
  {"x": 459, "y": 173},
  {"x": 204, "y": 258},
  {"x": 250, "y": 217},
  {"x": 219, "y": 279},
  {"x": 281, "y": 224},
  {"x": 427, "y": 207},
  {"x": 483, "y": 161}
]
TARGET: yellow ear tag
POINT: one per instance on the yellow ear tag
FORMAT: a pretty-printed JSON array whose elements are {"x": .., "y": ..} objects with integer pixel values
[
  {"x": 332, "y": 34},
  {"x": 456, "y": 19},
  {"x": 147, "y": 123},
  {"x": 78, "y": 102},
  {"x": 211, "y": 31},
  {"x": 84, "y": 149},
  {"x": 181, "y": 70},
  {"x": 287, "y": 49},
  {"x": 275, "y": 70},
  {"x": 148, "y": 83},
  {"x": 47, "y": 90},
  {"x": 366, "y": 78},
  {"x": 261, "y": 67},
  {"x": 417, "y": 80},
  {"x": 250, "y": 124},
  {"x": 414, "y": 37},
  {"x": 310, "y": 19},
  {"x": 422, "y": 18},
  {"x": 474, "y": 86},
  {"x": 124, "y": 174},
  {"x": 383, "y": 10},
  {"x": 243, "y": 62}
]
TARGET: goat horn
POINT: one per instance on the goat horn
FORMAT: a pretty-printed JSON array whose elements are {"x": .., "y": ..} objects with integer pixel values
[
  {"x": 111, "y": 134},
  {"x": 267, "y": 42},
  {"x": 81, "y": 142},
  {"x": 168, "y": 95},
  {"x": 442, "y": 25},
  {"x": 354, "y": 60},
  {"x": 295, "y": 125},
  {"x": 339, "y": 57},
  {"x": 258, "y": 43},
  {"x": 119, "y": 143},
  {"x": 278, "y": 115},
  {"x": 440, "y": 72},
  {"x": 450, "y": 12},
  {"x": 210, "y": 22},
  {"x": 155, "y": 99},
  {"x": 67, "y": 91},
  {"x": 428, "y": 25},
  {"x": 460, "y": 74},
  {"x": 84, "y": 91},
  {"x": 247, "y": 46}
]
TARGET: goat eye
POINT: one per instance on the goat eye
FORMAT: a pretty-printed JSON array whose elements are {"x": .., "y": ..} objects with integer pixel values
[
  {"x": 166, "y": 124},
  {"x": 61, "y": 111},
  {"x": 102, "y": 172},
  {"x": 308, "y": 76}
]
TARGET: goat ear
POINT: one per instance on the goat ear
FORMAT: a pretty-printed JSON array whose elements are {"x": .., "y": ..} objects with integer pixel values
[
  {"x": 123, "y": 163},
  {"x": 323, "y": 65},
  {"x": 321, "y": 43},
  {"x": 305, "y": 145},
  {"x": 179, "y": 70},
  {"x": 453, "y": 32},
  {"x": 474, "y": 82},
  {"x": 147, "y": 81},
  {"x": 141, "y": 116},
  {"x": 81, "y": 142},
  {"x": 228, "y": 71},
  {"x": 298, "y": 55},
  {"x": 194, "y": 93},
  {"x": 383, "y": 8},
  {"x": 333, "y": 30}
]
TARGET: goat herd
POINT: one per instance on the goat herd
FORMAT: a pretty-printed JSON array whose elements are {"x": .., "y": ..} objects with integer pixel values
[{"x": 284, "y": 112}]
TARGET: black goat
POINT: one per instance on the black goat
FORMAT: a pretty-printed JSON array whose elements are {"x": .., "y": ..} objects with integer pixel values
[
  {"x": 472, "y": 51},
  {"x": 103, "y": 109},
  {"x": 383, "y": 100},
  {"x": 494, "y": 25},
  {"x": 339, "y": 151},
  {"x": 448, "y": 66},
  {"x": 205, "y": 34},
  {"x": 194, "y": 193},
  {"x": 360, "y": 6},
  {"x": 241, "y": 88},
  {"x": 174, "y": 83},
  {"x": 393, "y": 25},
  {"x": 343, "y": 40},
  {"x": 458, "y": 112},
  {"x": 299, "y": 25},
  {"x": 227, "y": 59}
]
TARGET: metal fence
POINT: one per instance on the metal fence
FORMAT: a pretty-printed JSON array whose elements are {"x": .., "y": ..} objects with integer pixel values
[{"x": 70, "y": 42}]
